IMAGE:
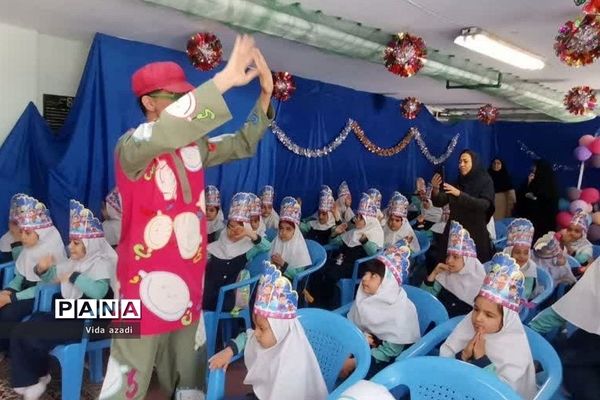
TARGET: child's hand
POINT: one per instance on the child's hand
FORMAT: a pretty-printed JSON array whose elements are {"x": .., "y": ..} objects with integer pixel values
[
  {"x": 64, "y": 278},
  {"x": 467, "y": 352},
  {"x": 4, "y": 299},
  {"x": 249, "y": 232},
  {"x": 264, "y": 73},
  {"x": 479, "y": 347},
  {"x": 363, "y": 237},
  {"x": 420, "y": 219},
  {"x": 348, "y": 367},
  {"x": 370, "y": 339},
  {"x": 277, "y": 260},
  {"x": 408, "y": 239},
  {"x": 237, "y": 72},
  {"x": 441, "y": 267},
  {"x": 341, "y": 229},
  {"x": 45, "y": 263},
  {"x": 221, "y": 359}
]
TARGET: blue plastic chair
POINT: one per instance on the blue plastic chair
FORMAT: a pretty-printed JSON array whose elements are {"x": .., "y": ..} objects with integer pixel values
[
  {"x": 501, "y": 232},
  {"x": 318, "y": 257},
  {"x": 595, "y": 251},
  {"x": 333, "y": 339},
  {"x": 348, "y": 286},
  {"x": 270, "y": 234},
  {"x": 8, "y": 273},
  {"x": 424, "y": 243},
  {"x": 544, "y": 279},
  {"x": 437, "y": 378}
]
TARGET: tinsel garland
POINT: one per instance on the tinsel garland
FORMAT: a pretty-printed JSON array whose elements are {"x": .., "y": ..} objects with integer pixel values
[
  {"x": 352, "y": 126},
  {"x": 533, "y": 155}
]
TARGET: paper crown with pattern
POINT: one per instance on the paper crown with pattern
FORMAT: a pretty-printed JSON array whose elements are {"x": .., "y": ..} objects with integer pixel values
[
  {"x": 366, "y": 206},
  {"x": 254, "y": 205},
  {"x": 343, "y": 190},
  {"x": 460, "y": 242},
  {"x": 520, "y": 232},
  {"x": 290, "y": 210},
  {"x": 547, "y": 247},
  {"x": 267, "y": 195},
  {"x": 376, "y": 196},
  {"x": 397, "y": 261},
  {"x": 505, "y": 283},
  {"x": 582, "y": 219},
  {"x": 275, "y": 297},
  {"x": 32, "y": 213},
  {"x": 398, "y": 206},
  {"x": 13, "y": 213},
  {"x": 82, "y": 223},
  {"x": 326, "y": 199},
  {"x": 239, "y": 209},
  {"x": 213, "y": 196},
  {"x": 113, "y": 198}
]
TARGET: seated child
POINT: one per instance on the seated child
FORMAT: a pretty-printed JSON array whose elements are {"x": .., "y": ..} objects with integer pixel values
[
  {"x": 344, "y": 203},
  {"x": 457, "y": 281},
  {"x": 40, "y": 239},
  {"x": 10, "y": 242},
  {"x": 269, "y": 215},
  {"x": 87, "y": 274},
  {"x": 321, "y": 229},
  {"x": 518, "y": 241},
  {"x": 256, "y": 220},
  {"x": 280, "y": 361},
  {"x": 214, "y": 214},
  {"x": 289, "y": 252},
  {"x": 397, "y": 226},
  {"x": 228, "y": 256},
  {"x": 111, "y": 215},
  {"x": 550, "y": 256},
  {"x": 383, "y": 311},
  {"x": 430, "y": 215},
  {"x": 579, "y": 352},
  {"x": 376, "y": 196},
  {"x": 492, "y": 336},
  {"x": 574, "y": 238}
]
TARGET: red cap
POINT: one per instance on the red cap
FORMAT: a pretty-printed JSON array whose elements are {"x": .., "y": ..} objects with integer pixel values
[{"x": 164, "y": 75}]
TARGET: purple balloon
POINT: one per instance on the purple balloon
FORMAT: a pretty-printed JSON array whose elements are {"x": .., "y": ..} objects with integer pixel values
[
  {"x": 580, "y": 205},
  {"x": 594, "y": 232},
  {"x": 596, "y": 160},
  {"x": 582, "y": 153},
  {"x": 573, "y": 193}
]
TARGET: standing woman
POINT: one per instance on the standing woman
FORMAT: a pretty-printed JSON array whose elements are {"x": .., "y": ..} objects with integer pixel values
[
  {"x": 471, "y": 202},
  {"x": 505, "y": 193}
]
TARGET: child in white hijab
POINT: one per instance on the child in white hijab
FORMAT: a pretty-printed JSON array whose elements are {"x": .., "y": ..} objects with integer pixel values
[
  {"x": 327, "y": 219},
  {"x": 10, "y": 242},
  {"x": 376, "y": 196},
  {"x": 518, "y": 241},
  {"x": 214, "y": 213},
  {"x": 40, "y": 239},
  {"x": 344, "y": 203},
  {"x": 87, "y": 274},
  {"x": 111, "y": 214},
  {"x": 492, "y": 336},
  {"x": 228, "y": 256},
  {"x": 382, "y": 309},
  {"x": 574, "y": 238},
  {"x": 397, "y": 226},
  {"x": 256, "y": 219},
  {"x": 269, "y": 215},
  {"x": 549, "y": 255},
  {"x": 457, "y": 281},
  {"x": 289, "y": 252},
  {"x": 280, "y": 361}
]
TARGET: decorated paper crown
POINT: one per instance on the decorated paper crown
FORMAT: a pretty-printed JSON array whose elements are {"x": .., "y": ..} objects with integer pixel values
[
  {"x": 397, "y": 261},
  {"x": 582, "y": 219},
  {"x": 14, "y": 207},
  {"x": 32, "y": 213},
  {"x": 267, "y": 194},
  {"x": 367, "y": 206},
  {"x": 254, "y": 205},
  {"x": 547, "y": 246},
  {"x": 505, "y": 283},
  {"x": 290, "y": 210},
  {"x": 343, "y": 190},
  {"x": 82, "y": 223},
  {"x": 398, "y": 206},
  {"x": 213, "y": 196},
  {"x": 520, "y": 232},
  {"x": 275, "y": 297},
  {"x": 113, "y": 198},
  {"x": 376, "y": 196},
  {"x": 239, "y": 209},
  {"x": 460, "y": 242},
  {"x": 326, "y": 199}
]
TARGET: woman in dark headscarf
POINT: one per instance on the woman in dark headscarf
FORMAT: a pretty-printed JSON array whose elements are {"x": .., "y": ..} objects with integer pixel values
[
  {"x": 538, "y": 199},
  {"x": 505, "y": 192},
  {"x": 471, "y": 202}
]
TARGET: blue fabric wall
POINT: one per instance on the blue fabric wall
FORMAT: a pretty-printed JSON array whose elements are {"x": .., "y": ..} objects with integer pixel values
[{"x": 78, "y": 162}]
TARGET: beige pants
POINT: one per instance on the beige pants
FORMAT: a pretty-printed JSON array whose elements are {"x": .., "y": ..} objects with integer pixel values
[{"x": 504, "y": 202}]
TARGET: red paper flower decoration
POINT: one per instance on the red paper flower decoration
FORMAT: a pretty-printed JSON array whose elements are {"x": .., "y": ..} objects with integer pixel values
[
  {"x": 488, "y": 114},
  {"x": 578, "y": 42},
  {"x": 580, "y": 100},
  {"x": 283, "y": 85},
  {"x": 204, "y": 51},
  {"x": 592, "y": 7},
  {"x": 410, "y": 107},
  {"x": 404, "y": 54}
]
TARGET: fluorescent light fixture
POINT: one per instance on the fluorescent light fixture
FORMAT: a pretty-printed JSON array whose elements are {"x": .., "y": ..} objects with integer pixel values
[{"x": 478, "y": 40}]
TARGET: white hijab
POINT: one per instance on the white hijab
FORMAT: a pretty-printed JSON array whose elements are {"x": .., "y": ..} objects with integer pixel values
[
  {"x": 225, "y": 249},
  {"x": 217, "y": 224},
  {"x": 530, "y": 268},
  {"x": 432, "y": 214},
  {"x": 5, "y": 241},
  {"x": 317, "y": 226},
  {"x": 392, "y": 237},
  {"x": 272, "y": 221},
  {"x": 99, "y": 262},
  {"x": 582, "y": 246},
  {"x": 464, "y": 284},
  {"x": 345, "y": 212},
  {"x": 294, "y": 251},
  {"x": 289, "y": 370},
  {"x": 508, "y": 350},
  {"x": 112, "y": 226},
  {"x": 262, "y": 228},
  {"x": 49, "y": 243},
  {"x": 372, "y": 230},
  {"x": 366, "y": 390},
  {"x": 581, "y": 305},
  {"x": 388, "y": 314}
]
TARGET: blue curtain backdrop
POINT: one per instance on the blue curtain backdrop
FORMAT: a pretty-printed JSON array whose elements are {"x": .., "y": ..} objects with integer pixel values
[{"x": 78, "y": 162}]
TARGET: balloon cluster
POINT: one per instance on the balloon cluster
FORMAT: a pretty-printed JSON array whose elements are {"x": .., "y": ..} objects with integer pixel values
[{"x": 588, "y": 150}]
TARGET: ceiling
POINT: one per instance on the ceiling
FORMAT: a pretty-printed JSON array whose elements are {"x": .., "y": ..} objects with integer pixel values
[{"x": 531, "y": 25}]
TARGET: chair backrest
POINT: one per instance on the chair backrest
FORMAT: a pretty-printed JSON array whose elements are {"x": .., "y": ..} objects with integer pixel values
[
  {"x": 429, "y": 308},
  {"x": 434, "y": 378},
  {"x": 572, "y": 261},
  {"x": 333, "y": 339},
  {"x": 501, "y": 231},
  {"x": 544, "y": 279},
  {"x": 8, "y": 273},
  {"x": 424, "y": 241},
  {"x": 544, "y": 353},
  {"x": 270, "y": 234},
  {"x": 318, "y": 255},
  {"x": 595, "y": 251},
  {"x": 255, "y": 267}
]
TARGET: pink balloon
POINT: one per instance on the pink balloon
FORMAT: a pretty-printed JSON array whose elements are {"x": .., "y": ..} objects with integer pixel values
[
  {"x": 590, "y": 195},
  {"x": 563, "y": 219},
  {"x": 573, "y": 193},
  {"x": 596, "y": 218},
  {"x": 586, "y": 140},
  {"x": 594, "y": 232},
  {"x": 595, "y": 160},
  {"x": 595, "y": 146}
]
